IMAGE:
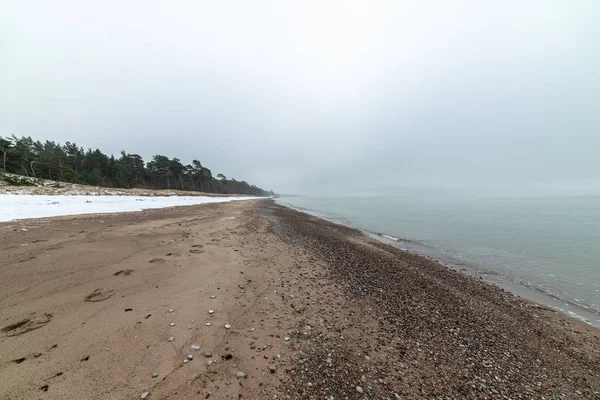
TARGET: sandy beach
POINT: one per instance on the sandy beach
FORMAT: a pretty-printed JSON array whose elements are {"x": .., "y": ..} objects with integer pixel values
[{"x": 253, "y": 300}]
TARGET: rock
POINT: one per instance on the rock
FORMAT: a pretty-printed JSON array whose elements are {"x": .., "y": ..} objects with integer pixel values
[
  {"x": 227, "y": 326},
  {"x": 210, "y": 362},
  {"x": 213, "y": 297},
  {"x": 190, "y": 327},
  {"x": 145, "y": 394},
  {"x": 190, "y": 357},
  {"x": 172, "y": 324},
  {"x": 155, "y": 375},
  {"x": 170, "y": 310},
  {"x": 240, "y": 374},
  {"x": 287, "y": 338},
  {"x": 227, "y": 382},
  {"x": 185, "y": 360},
  {"x": 211, "y": 311},
  {"x": 195, "y": 347},
  {"x": 367, "y": 358},
  {"x": 359, "y": 389},
  {"x": 272, "y": 368},
  {"x": 208, "y": 354},
  {"x": 171, "y": 338},
  {"x": 208, "y": 324}
]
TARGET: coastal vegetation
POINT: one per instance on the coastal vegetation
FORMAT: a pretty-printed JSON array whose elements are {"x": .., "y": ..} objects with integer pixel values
[{"x": 69, "y": 162}]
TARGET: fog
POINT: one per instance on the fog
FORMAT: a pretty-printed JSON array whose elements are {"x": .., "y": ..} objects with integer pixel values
[{"x": 319, "y": 97}]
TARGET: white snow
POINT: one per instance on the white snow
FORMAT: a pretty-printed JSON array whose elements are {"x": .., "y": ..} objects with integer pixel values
[{"x": 14, "y": 206}]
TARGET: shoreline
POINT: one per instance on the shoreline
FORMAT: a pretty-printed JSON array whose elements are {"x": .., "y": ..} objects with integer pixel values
[
  {"x": 302, "y": 308},
  {"x": 527, "y": 292}
]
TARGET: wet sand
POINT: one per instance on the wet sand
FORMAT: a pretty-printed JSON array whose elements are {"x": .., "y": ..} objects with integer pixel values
[{"x": 315, "y": 310}]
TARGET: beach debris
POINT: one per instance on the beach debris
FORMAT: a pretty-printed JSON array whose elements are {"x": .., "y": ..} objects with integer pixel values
[
  {"x": 195, "y": 347},
  {"x": 170, "y": 339},
  {"x": 190, "y": 357},
  {"x": 359, "y": 389},
  {"x": 227, "y": 326},
  {"x": 155, "y": 375},
  {"x": 145, "y": 394},
  {"x": 211, "y": 311},
  {"x": 240, "y": 374},
  {"x": 172, "y": 324},
  {"x": 208, "y": 324}
]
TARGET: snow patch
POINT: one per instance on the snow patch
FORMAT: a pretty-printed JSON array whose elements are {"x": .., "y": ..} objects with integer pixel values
[{"x": 14, "y": 207}]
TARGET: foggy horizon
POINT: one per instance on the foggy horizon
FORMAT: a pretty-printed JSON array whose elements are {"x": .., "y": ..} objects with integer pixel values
[{"x": 319, "y": 98}]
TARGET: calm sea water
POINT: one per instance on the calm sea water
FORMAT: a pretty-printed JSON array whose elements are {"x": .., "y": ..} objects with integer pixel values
[{"x": 550, "y": 245}]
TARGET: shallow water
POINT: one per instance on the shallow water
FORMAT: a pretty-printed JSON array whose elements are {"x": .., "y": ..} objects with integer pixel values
[{"x": 551, "y": 245}]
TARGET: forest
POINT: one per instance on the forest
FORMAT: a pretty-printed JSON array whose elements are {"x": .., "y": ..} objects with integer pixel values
[{"x": 71, "y": 163}]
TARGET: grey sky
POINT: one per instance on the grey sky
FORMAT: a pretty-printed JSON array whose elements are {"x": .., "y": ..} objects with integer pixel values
[{"x": 317, "y": 96}]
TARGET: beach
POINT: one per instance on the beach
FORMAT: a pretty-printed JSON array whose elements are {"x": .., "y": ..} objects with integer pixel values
[{"x": 281, "y": 305}]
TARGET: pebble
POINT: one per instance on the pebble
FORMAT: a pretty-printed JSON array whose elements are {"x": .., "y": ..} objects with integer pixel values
[
  {"x": 171, "y": 338},
  {"x": 228, "y": 382},
  {"x": 170, "y": 310},
  {"x": 211, "y": 311},
  {"x": 367, "y": 358},
  {"x": 227, "y": 326},
  {"x": 208, "y": 354},
  {"x": 190, "y": 357},
  {"x": 195, "y": 347},
  {"x": 145, "y": 394},
  {"x": 359, "y": 389},
  {"x": 210, "y": 362},
  {"x": 185, "y": 360},
  {"x": 213, "y": 297},
  {"x": 240, "y": 374},
  {"x": 172, "y": 324},
  {"x": 190, "y": 327},
  {"x": 272, "y": 368},
  {"x": 287, "y": 338},
  {"x": 208, "y": 324},
  {"x": 155, "y": 375}
]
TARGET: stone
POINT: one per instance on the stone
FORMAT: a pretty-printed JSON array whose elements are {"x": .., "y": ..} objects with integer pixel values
[
  {"x": 145, "y": 394},
  {"x": 227, "y": 326},
  {"x": 170, "y": 310},
  {"x": 240, "y": 374},
  {"x": 208, "y": 324},
  {"x": 272, "y": 368},
  {"x": 211, "y": 311},
  {"x": 190, "y": 357},
  {"x": 210, "y": 362},
  {"x": 171, "y": 338},
  {"x": 359, "y": 389},
  {"x": 208, "y": 354},
  {"x": 228, "y": 382},
  {"x": 172, "y": 324},
  {"x": 287, "y": 338},
  {"x": 155, "y": 375},
  {"x": 213, "y": 297},
  {"x": 195, "y": 347}
]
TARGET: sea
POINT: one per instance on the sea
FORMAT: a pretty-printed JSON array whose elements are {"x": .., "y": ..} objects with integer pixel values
[{"x": 544, "y": 249}]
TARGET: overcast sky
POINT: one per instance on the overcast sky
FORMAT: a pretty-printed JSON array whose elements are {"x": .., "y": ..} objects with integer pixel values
[{"x": 318, "y": 97}]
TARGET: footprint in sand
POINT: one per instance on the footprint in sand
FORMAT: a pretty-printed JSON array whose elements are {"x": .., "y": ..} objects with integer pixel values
[
  {"x": 99, "y": 295},
  {"x": 196, "y": 251},
  {"x": 156, "y": 261},
  {"x": 26, "y": 325}
]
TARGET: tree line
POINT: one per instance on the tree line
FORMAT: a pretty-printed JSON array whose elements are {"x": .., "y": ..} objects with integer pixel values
[{"x": 71, "y": 163}]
